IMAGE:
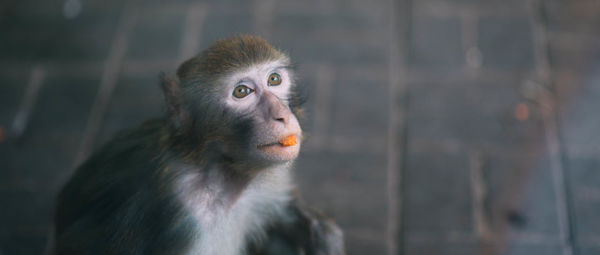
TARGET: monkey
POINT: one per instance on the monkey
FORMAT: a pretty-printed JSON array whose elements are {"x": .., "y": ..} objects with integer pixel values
[{"x": 213, "y": 176}]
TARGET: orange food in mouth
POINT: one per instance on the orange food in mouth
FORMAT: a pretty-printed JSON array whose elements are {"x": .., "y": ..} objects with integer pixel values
[{"x": 289, "y": 141}]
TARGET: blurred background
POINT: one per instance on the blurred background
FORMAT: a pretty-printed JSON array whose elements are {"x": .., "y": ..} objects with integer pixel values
[{"x": 435, "y": 126}]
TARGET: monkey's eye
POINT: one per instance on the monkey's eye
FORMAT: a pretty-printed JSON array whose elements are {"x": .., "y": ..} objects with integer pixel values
[
  {"x": 274, "y": 79},
  {"x": 242, "y": 91}
]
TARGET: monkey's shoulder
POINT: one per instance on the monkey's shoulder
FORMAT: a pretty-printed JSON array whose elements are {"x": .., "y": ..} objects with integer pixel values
[
  {"x": 130, "y": 152},
  {"x": 114, "y": 174},
  {"x": 113, "y": 198}
]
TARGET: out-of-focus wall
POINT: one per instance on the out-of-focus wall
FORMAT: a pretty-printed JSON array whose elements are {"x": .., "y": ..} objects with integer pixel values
[{"x": 435, "y": 126}]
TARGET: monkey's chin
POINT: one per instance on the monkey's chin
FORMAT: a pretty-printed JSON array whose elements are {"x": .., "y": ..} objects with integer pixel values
[{"x": 279, "y": 153}]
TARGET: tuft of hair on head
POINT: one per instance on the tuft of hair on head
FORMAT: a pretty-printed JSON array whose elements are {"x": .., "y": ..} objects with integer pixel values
[{"x": 227, "y": 55}]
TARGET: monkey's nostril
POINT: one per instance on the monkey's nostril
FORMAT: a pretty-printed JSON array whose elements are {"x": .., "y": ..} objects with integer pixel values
[{"x": 280, "y": 119}]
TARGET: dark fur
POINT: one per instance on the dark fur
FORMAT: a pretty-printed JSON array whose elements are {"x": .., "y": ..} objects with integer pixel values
[{"x": 119, "y": 200}]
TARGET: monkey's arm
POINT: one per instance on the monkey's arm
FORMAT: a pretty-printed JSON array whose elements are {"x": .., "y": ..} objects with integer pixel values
[
  {"x": 305, "y": 231},
  {"x": 324, "y": 235}
]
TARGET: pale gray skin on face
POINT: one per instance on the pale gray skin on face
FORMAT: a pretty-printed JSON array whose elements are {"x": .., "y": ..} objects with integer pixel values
[
  {"x": 212, "y": 177},
  {"x": 268, "y": 104}
]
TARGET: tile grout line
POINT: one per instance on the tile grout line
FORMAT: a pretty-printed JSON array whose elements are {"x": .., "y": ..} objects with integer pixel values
[
  {"x": 454, "y": 10},
  {"x": 141, "y": 67},
  {"x": 549, "y": 110},
  {"x": 397, "y": 121},
  {"x": 108, "y": 81},
  {"x": 466, "y": 237},
  {"x": 21, "y": 120},
  {"x": 194, "y": 21}
]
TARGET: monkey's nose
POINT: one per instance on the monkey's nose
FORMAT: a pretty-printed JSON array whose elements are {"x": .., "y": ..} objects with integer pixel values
[{"x": 275, "y": 110}]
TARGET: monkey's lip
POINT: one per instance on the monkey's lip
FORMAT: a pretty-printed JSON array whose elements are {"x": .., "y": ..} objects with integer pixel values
[
  {"x": 278, "y": 151},
  {"x": 279, "y": 143},
  {"x": 274, "y": 144}
]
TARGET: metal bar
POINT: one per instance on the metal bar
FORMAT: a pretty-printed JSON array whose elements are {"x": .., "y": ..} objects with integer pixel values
[
  {"x": 549, "y": 110},
  {"x": 36, "y": 80}
]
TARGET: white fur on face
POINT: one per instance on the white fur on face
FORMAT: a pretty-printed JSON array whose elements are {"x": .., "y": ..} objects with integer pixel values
[
  {"x": 255, "y": 77},
  {"x": 225, "y": 227}
]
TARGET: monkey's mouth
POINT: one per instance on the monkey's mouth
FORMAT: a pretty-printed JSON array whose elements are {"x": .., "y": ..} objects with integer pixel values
[
  {"x": 287, "y": 141},
  {"x": 270, "y": 145},
  {"x": 286, "y": 148}
]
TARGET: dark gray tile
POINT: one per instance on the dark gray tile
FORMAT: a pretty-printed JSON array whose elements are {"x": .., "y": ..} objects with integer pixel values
[
  {"x": 473, "y": 113},
  {"x": 221, "y": 25},
  {"x": 584, "y": 174},
  {"x": 12, "y": 89},
  {"x": 521, "y": 194},
  {"x": 436, "y": 192},
  {"x": 87, "y": 37},
  {"x": 55, "y": 130},
  {"x": 302, "y": 24},
  {"x": 578, "y": 122},
  {"x": 64, "y": 104},
  {"x": 24, "y": 24},
  {"x": 364, "y": 243},
  {"x": 575, "y": 17},
  {"x": 135, "y": 100},
  {"x": 576, "y": 58},
  {"x": 52, "y": 37},
  {"x": 29, "y": 208},
  {"x": 157, "y": 34},
  {"x": 440, "y": 249},
  {"x": 474, "y": 2},
  {"x": 533, "y": 249},
  {"x": 344, "y": 38},
  {"x": 347, "y": 187},
  {"x": 22, "y": 243},
  {"x": 360, "y": 107},
  {"x": 342, "y": 54},
  {"x": 43, "y": 155},
  {"x": 436, "y": 43},
  {"x": 506, "y": 42},
  {"x": 588, "y": 250}
]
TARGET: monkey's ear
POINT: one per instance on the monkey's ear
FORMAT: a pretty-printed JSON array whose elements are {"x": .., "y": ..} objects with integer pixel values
[{"x": 173, "y": 100}]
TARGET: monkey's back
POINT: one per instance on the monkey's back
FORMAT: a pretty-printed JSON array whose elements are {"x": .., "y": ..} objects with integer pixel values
[{"x": 111, "y": 204}]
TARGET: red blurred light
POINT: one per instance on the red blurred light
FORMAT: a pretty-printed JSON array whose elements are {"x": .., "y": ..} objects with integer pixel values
[{"x": 522, "y": 112}]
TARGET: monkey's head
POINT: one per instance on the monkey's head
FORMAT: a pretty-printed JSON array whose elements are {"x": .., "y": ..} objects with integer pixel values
[{"x": 237, "y": 97}]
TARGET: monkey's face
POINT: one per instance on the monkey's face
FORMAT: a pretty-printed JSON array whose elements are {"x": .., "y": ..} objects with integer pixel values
[{"x": 258, "y": 96}]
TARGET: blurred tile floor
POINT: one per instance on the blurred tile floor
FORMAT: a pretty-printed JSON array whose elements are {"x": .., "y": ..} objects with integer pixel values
[{"x": 435, "y": 126}]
